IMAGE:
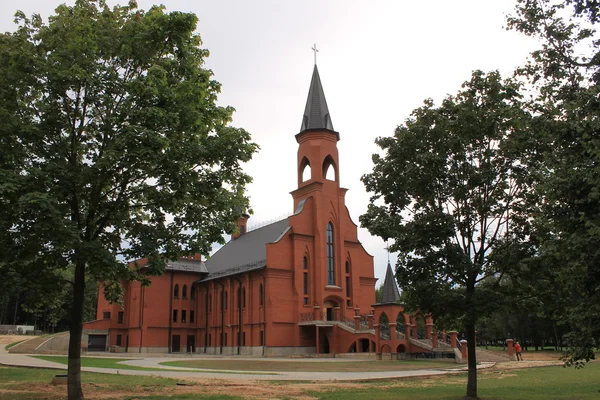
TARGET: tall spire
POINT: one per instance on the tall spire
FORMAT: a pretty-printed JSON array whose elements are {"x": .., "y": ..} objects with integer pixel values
[
  {"x": 316, "y": 114},
  {"x": 390, "y": 293}
]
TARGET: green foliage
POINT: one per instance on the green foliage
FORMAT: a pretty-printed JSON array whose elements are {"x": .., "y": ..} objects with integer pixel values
[
  {"x": 115, "y": 139},
  {"x": 113, "y": 146},
  {"x": 447, "y": 192},
  {"x": 564, "y": 159}
]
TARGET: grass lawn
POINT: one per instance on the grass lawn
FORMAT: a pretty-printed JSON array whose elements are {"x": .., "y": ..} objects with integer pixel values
[
  {"x": 311, "y": 366},
  {"x": 34, "y": 383},
  {"x": 553, "y": 383}
]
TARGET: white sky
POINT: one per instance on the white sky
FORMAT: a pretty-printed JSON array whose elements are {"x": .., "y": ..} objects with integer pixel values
[{"x": 378, "y": 60}]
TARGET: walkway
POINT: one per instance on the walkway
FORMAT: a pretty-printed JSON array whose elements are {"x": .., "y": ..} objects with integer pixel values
[{"x": 23, "y": 360}]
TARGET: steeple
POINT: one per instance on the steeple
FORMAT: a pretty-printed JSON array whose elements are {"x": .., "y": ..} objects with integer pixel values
[
  {"x": 316, "y": 114},
  {"x": 390, "y": 293}
]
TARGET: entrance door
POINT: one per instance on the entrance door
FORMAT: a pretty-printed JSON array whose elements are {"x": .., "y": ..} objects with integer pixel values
[
  {"x": 326, "y": 349},
  {"x": 97, "y": 343},
  {"x": 191, "y": 344},
  {"x": 330, "y": 314},
  {"x": 176, "y": 344}
]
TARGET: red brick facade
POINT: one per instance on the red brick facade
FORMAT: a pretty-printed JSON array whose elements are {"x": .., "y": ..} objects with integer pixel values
[{"x": 314, "y": 293}]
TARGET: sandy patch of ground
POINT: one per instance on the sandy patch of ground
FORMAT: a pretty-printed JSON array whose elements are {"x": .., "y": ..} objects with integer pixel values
[
  {"x": 526, "y": 364},
  {"x": 8, "y": 339}
]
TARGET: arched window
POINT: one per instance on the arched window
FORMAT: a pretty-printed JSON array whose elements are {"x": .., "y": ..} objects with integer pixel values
[
  {"x": 306, "y": 173},
  {"x": 243, "y": 297},
  {"x": 348, "y": 285},
  {"x": 330, "y": 258},
  {"x": 261, "y": 299},
  {"x": 329, "y": 171},
  {"x": 239, "y": 298},
  {"x": 305, "y": 279},
  {"x": 193, "y": 292},
  {"x": 400, "y": 324},
  {"x": 184, "y": 292},
  {"x": 225, "y": 300},
  {"x": 176, "y": 291}
]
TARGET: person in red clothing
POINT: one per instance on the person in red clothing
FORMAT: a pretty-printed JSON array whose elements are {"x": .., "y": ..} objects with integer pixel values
[{"x": 518, "y": 351}]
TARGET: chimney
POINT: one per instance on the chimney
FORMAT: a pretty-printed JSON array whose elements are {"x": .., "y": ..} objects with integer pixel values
[{"x": 241, "y": 226}]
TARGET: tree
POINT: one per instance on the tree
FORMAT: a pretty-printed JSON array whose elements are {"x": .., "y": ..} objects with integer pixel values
[
  {"x": 445, "y": 192},
  {"x": 566, "y": 164},
  {"x": 113, "y": 148}
]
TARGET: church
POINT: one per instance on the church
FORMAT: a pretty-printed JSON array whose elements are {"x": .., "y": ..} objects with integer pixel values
[{"x": 303, "y": 285}]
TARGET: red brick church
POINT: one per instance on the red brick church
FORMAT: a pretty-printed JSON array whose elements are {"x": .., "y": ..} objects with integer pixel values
[{"x": 301, "y": 285}]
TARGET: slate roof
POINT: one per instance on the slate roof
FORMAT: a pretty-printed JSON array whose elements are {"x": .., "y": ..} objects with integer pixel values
[
  {"x": 187, "y": 266},
  {"x": 390, "y": 292},
  {"x": 246, "y": 253},
  {"x": 316, "y": 114}
]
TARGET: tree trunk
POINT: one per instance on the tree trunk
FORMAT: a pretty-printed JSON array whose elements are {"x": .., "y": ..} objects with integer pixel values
[
  {"x": 74, "y": 390},
  {"x": 16, "y": 309},
  {"x": 471, "y": 361},
  {"x": 470, "y": 318}
]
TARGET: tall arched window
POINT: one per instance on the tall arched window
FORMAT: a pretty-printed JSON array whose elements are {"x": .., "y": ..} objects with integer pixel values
[
  {"x": 244, "y": 297},
  {"x": 225, "y": 300},
  {"x": 348, "y": 285},
  {"x": 305, "y": 279},
  {"x": 176, "y": 291},
  {"x": 193, "y": 292},
  {"x": 330, "y": 259},
  {"x": 239, "y": 298},
  {"x": 261, "y": 295},
  {"x": 184, "y": 292}
]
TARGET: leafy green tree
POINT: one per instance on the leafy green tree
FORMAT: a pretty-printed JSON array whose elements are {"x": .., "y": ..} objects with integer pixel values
[
  {"x": 113, "y": 148},
  {"x": 565, "y": 162},
  {"x": 445, "y": 192}
]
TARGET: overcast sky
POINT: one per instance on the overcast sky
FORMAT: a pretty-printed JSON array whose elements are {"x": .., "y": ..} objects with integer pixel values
[{"x": 378, "y": 60}]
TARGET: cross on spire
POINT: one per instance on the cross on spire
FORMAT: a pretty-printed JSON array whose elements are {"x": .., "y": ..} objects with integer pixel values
[
  {"x": 315, "y": 50},
  {"x": 387, "y": 247}
]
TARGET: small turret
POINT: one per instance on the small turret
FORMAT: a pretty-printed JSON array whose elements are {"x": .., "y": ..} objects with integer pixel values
[{"x": 390, "y": 292}]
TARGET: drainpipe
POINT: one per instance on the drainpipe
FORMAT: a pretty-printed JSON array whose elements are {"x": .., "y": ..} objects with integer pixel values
[
  {"x": 222, "y": 315},
  {"x": 264, "y": 313},
  {"x": 170, "y": 312},
  {"x": 206, "y": 320},
  {"x": 240, "y": 316},
  {"x": 143, "y": 291}
]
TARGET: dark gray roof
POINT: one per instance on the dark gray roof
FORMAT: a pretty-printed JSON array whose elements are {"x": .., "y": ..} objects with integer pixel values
[
  {"x": 246, "y": 253},
  {"x": 390, "y": 290},
  {"x": 187, "y": 266},
  {"x": 316, "y": 114}
]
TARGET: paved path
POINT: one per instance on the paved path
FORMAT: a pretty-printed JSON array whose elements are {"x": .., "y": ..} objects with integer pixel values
[{"x": 23, "y": 360}]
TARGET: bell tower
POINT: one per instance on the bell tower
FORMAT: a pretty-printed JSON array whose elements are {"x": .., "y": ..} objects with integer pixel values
[
  {"x": 317, "y": 150},
  {"x": 330, "y": 266}
]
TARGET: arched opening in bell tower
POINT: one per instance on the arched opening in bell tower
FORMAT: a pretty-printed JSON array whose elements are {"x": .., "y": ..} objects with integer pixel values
[
  {"x": 329, "y": 169},
  {"x": 305, "y": 170}
]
